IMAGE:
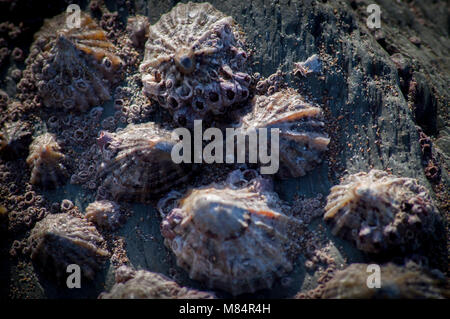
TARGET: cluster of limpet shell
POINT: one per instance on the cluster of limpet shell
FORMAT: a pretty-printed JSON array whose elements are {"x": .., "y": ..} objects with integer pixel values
[
  {"x": 195, "y": 63},
  {"x": 234, "y": 239},
  {"x": 302, "y": 136},
  {"x": 73, "y": 68},
  {"x": 62, "y": 239},
  {"x": 137, "y": 163},
  {"x": 233, "y": 236},
  {"x": 142, "y": 284},
  {"x": 380, "y": 212},
  {"x": 45, "y": 160}
]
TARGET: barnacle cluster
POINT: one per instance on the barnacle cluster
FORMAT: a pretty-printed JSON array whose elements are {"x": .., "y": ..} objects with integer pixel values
[
  {"x": 144, "y": 284},
  {"x": 381, "y": 212},
  {"x": 195, "y": 63},
  {"x": 236, "y": 240},
  {"x": 137, "y": 162},
  {"x": 73, "y": 68},
  {"x": 45, "y": 160},
  {"x": 302, "y": 137},
  {"x": 59, "y": 240}
]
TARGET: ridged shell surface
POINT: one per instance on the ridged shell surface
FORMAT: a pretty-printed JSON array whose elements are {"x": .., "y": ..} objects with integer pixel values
[
  {"x": 397, "y": 282},
  {"x": 195, "y": 63},
  {"x": 59, "y": 240},
  {"x": 137, "y": 162},
  {"x": 302, "y": 136},
  {"x": 230, "y": 239},
  {"x": 381, "y": 212}
]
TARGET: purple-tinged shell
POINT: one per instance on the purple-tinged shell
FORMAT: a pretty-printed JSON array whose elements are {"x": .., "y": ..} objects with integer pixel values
[
  {"x": 137, "y": 162},
  {"x": 397, "y": 282},
  {"x": 302, "y": 136},
  {"x": 195, "y": 63},
  {"x": 74, "y": 68},
  {"x": 381, "y": 212}
]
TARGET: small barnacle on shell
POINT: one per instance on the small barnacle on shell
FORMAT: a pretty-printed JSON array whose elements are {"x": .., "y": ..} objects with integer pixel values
[
  {"x": 144, "y": 284},
  {"x": 137, "y": 162},
  {"x": 74, "y": 68},
  {"x": 15, "y": 138},
  {"x": 302, "y": 137},
  {"x": 104, "y": 213},
  {"x": 380, "y": 212},
  {"x": 236, "y": 240},
  {"x": 397, "y": 282},
  {"x": 59, "y": 240},
  {"x": 195, "y": 63},
  {"x": 45, "y": 160}
]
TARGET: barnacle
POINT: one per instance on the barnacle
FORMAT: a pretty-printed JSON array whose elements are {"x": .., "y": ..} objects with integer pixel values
[
  {"x": 45, "y": 160},
  {"x": 74, "y": 68},
  {"x": 302, "y": 137},
  {"x": 144, "y": 284},
  {"x": 195, "y": 63},
  {"x": 137, "y": 162},
  {"x": 59, "y": 240},
  {"x": 232, "y": 239},
  {"x": 381, "y": 212}
]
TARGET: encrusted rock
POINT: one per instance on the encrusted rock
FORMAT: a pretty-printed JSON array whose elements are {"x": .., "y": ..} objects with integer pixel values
[
  {"x": 302, "y": 137},
  {"x": 236, "y": 240},
  {"x": 137, "y": 162}
]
